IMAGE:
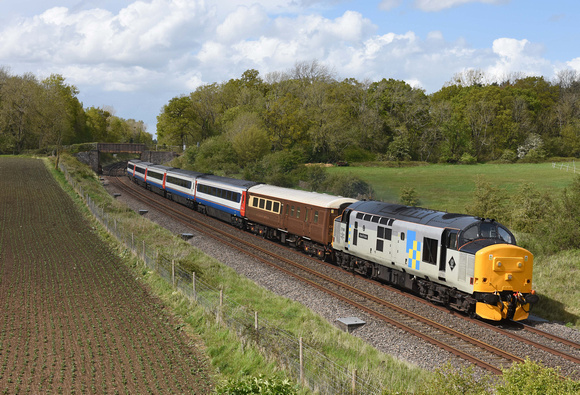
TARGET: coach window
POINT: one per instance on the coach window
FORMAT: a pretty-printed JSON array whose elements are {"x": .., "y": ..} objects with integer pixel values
[
  {"x": 287, "y": 208},
  {"x": 269, "y": 205},
  {"x": 368, "y": 217},
  {"x": 316, "y": 216},
  {"x": 297, "y": 212},
  {"x": 255, "y": 201},
  {"x": 292, "y": 212},
  {"x": 359, "y": 215},
  {"x": 276, "y": 207},
  {"x": 384, "y": 221},
  {"x": 306, "y": 216},
  {"x": 262, "y": 203},
  {"x": 375, "y": 219}
]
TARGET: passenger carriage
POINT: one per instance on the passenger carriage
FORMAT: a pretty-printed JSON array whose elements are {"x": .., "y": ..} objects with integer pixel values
[
  {"x": 180, "y": 186},
  {"x": 223, "y": 198},
  {"x": 155, "y": 178},
  {"x": 299, "y": 218},
  {"x": 137, "y": 171}
]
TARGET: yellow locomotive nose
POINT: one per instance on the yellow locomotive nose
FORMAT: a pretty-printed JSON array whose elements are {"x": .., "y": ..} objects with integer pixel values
[{"x": 505, "y": 271}]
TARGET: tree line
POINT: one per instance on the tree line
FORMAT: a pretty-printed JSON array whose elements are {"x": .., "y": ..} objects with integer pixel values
[
  {"x": 309, "y": 112},
  {"x": 37, "y": 114}
]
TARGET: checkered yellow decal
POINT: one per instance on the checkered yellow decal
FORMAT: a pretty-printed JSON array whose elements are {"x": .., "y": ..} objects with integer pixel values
[{"x": 413, "y": 250}]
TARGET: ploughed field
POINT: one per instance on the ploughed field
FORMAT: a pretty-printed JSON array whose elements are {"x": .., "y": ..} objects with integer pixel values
[{"x": 73, "y": 319}]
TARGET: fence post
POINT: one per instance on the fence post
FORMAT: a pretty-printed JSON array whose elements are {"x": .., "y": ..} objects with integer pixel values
[
  {"x": 193, "y": 285},
  {"x": 218, "y": 317},
  {"x": 354, "y": 373},
  {"x": 144, "y": 260},
  {"x": 301, "y": 362},
  {"x": 173, "y": 272},
  {"x": 132, "y": 242}
]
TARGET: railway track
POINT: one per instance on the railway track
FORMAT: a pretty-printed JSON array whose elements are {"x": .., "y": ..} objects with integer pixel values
[{"x": 462, "y": 346}]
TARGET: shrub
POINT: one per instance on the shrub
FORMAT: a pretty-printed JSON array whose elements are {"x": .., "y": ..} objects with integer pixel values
[
  {"x": 489, "y": 201},
  {"x": 409, "y": 196},
  {"x": 508, "y": 156},
  {"x": 531, "y": 378},
  {"x": 529, "y": 208},
  {"x": 257, "y": 385},
  {"x": 347, "y": 185},
  {"x": 467, "y": 159}
]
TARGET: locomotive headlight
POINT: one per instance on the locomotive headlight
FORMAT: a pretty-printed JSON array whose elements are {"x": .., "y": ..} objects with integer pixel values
[
  {"x": 508, "y": 276},
  {"x": 520, "y": 264}
]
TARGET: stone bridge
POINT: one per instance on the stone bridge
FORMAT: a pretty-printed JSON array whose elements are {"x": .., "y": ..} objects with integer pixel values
[{"x": 93, "y": 157}]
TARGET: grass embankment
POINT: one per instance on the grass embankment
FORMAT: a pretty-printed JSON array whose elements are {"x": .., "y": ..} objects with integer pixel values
[
  {"x": 231, "y": 358},
  {"x": 451, "y": 188}
]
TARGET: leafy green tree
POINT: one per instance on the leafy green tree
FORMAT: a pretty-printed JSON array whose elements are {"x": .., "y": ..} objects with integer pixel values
[
  {"x": 216, "y": 156},
  {"x": 176, "y": 124},
  {"x": 20, "y": 118}
]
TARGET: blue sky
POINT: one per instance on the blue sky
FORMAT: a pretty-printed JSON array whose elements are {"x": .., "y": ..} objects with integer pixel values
[{"x": 134, "y": 56}]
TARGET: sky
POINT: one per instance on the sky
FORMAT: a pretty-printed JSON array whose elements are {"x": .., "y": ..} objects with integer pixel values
[{"x": 134, "y": 56}]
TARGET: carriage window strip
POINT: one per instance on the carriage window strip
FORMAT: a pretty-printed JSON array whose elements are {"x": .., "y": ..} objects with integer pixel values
[
  {"x": 152, "y": 174},
  {"x": 139, "y": 170},
  {"x": 179, "y": 182},
  {"x": 225, "y": 194}
]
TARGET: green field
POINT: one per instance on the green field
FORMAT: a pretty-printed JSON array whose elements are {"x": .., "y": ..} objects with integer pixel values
[{"x": 450, "y": 187}]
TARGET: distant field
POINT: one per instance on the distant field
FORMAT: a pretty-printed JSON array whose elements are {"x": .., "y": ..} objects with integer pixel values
[{"x": 450, "y": 187}]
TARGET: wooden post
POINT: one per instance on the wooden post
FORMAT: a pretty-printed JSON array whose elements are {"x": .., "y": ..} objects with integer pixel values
[
  {"x": 144, "y": 261},
  {"x": 219, "y": 310},
  {"x": 301, "y": 363},
  {"x": 354, "y": 373},
  {"x": 256, "y": 321},
  {"x": 173, "y": 272},
  {"x": 193, "y": 285}
]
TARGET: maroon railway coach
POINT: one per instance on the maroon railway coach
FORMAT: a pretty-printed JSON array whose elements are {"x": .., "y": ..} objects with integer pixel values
[{"x": 298, "y": 218}]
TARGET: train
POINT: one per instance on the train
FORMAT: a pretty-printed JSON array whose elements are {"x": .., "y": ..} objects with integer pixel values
[{"x": 466, "y": 263}]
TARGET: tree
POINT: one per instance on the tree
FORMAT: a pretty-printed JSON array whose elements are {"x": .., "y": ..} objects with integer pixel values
[
  {"x": 20, "y": 116},
  {"x": 176, "y": 124}
]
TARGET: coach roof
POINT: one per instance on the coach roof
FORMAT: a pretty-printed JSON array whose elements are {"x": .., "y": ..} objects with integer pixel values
[{"x": 298, "y": 196}]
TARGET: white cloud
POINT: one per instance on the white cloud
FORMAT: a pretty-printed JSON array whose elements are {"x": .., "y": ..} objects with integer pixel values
[
  {"x": 388, "y": 5},
  {"x": 138, "y": 34},
  {"x": 517, "y": 56},
  {"x": 574, "y": 64},
  {"x": 244, "y": 22},
  {"x": 439, "y": 5}
]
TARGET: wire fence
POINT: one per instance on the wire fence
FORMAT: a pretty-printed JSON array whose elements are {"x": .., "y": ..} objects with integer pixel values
[
  {"x": 565, "y": 166},
  {"x": 304, "y": 363}
]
